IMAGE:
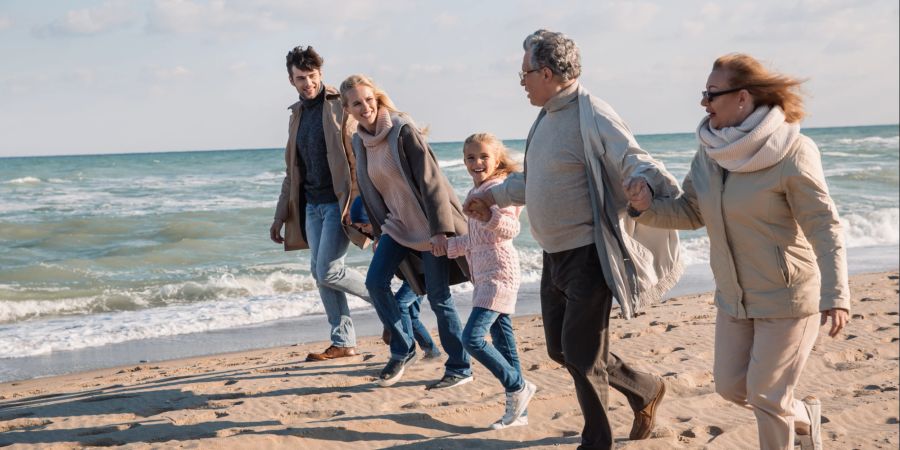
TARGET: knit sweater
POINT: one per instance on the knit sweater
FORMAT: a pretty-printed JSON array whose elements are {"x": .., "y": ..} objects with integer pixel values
[
  {"x": 405, "y": 223},
  {"x": 493, "y": 260},
  {"x": 557, "y": 192}
]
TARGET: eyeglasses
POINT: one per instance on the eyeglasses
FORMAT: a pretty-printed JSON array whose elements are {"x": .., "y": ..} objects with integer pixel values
[
  {"x": 710, "y": 96},
  {"x": 522, "y": 74}
]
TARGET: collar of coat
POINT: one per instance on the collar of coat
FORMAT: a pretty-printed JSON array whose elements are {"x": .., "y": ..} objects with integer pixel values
[{"x": 330, "y": 95}]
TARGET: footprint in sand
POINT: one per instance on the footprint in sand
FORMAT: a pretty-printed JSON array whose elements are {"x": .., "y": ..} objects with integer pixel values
[{"x": 707, "y": 433}]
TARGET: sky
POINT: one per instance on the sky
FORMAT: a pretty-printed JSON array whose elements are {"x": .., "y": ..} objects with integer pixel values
[{"x": 113, "y": 76}]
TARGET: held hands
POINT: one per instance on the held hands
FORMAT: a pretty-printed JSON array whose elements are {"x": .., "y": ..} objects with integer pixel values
[
  {"x": 478, "y": 206},
  {"x": 439, "y": 245},
  {"x": 839, "y": 318},
  {"x": 637, "y": 192},
  {"x": 275, "y": 231}
]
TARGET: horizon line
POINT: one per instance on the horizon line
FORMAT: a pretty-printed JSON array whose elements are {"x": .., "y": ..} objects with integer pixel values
[{"x": 432, "y": 142}]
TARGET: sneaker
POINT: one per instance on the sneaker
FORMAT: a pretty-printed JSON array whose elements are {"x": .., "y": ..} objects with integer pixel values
[
  {"x": 813, "y": 440},
  {"x": 516, "y": 405},
  {"x": 521, "y": 420},
  {"x": 432, "y": 353},
  {"x": 394, "y": 369},
  {"x": 450, "y": 381}
]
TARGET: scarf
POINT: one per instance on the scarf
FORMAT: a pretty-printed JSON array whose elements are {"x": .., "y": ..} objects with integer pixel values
[{"x": 759, "y": 142}]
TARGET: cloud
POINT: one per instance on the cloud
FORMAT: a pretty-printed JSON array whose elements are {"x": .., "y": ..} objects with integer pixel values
[
  {"x": 217, "y": 16},
  {"x": 446, "y": 20},
  {"x": 170, "y": 73},
  {"x": 5, "y": 23},
  {"x": 109, "y": 16}
]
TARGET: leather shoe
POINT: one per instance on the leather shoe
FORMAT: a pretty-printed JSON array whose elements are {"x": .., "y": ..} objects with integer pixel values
[
  {"x": 645, "y": 419},
  {"x": 332, "y": 352}
]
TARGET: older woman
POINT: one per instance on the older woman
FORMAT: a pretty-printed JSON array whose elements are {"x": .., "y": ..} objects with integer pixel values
[
  {"x": 412, "y": 209},
  {"x": 776, "y": 246}
]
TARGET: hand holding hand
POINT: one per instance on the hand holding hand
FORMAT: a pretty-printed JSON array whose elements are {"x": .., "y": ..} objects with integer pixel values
[
  {"x": 439, "y": 245},
  {"x": 839, "y": 319},
  {"x": 275, "y": 231},
  {"x": 637, "y": 192}
]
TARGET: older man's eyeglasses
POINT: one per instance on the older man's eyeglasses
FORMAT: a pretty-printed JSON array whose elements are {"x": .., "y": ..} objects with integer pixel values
[
  {"x": 522, "y": 74},
  {"x": 710, "y": 96}
]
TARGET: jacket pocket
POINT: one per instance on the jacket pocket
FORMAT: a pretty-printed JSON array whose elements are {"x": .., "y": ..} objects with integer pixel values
[{"x": 782, "y": 265}]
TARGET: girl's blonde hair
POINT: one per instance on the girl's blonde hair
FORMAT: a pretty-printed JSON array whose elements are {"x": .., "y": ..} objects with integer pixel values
[
  {"x": 767, "y": 87},
  {"x": 506, "y": 165}
]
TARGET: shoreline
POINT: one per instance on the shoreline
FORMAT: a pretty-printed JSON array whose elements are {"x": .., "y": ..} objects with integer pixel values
[
  {"x": 309, "y": 329},
  {"x": 272, "y": 398}
]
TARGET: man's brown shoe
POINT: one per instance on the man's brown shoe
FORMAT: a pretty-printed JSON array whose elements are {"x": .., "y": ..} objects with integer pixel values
[
  {"x": 645, "y": 419},
  {"x": 332, "y": 353}
]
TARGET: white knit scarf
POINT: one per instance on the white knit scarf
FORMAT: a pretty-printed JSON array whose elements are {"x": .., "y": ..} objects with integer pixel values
[{"x": 759, "y": 142}]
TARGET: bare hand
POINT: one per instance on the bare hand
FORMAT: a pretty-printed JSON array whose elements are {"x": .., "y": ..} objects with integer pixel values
[
  {"x": 439, "y": 245},
  {"x": 637, "y": 192},
  {"x": 275, "y": 231},
  {"x": 839, "y": 319},
  {"x": 478, "y": 206}
]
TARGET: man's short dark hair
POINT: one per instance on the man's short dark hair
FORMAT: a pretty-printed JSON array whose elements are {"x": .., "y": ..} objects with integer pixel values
[{"x": 304, "y": 58}]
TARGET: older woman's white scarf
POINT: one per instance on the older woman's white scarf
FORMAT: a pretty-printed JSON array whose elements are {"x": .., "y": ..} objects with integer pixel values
[{"x": 759, "y": 142}]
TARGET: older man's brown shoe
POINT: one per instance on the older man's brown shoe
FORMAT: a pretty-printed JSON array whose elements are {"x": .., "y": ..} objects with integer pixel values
[
  {"x": 645, "y": 419},
  {"x": 332, "y": 352}
]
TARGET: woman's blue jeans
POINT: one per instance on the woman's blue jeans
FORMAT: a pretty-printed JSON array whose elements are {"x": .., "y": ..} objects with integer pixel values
[
  {"x": 501, "y": 358},
  {"x": 388, "y": 256}
]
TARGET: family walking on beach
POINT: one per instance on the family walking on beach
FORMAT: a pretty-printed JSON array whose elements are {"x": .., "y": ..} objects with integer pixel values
[{"x": 604, "y": 212}]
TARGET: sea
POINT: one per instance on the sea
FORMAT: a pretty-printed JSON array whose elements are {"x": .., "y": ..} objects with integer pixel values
[{"x": 120, "y": 258}]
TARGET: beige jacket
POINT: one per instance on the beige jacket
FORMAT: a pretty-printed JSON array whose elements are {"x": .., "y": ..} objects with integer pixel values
[
  {"x": 292, "y": 202},
  {"x": 776, "y": 244},
  {"x": 640, "y": 263}
]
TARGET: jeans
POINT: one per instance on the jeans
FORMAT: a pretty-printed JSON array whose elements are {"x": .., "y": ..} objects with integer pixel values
[
  {"x": 501, "y": 357},
  {"x": 328, "y": 245},
  {"x": 575, "y": 306},
  {"x": 388, "y": 257},
  {"x": 405, "y": 295}
]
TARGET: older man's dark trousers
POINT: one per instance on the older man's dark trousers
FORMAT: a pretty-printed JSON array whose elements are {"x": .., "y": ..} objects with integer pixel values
[{"x": 575, "y": 305}]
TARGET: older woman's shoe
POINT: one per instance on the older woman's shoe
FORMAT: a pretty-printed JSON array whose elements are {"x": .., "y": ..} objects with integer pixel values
[
  {"x": 332, "y": 352},
  {"x": 645, "y": 419}
]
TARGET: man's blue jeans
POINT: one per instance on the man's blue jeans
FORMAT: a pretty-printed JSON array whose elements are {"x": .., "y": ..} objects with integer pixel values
[
  {"x": 501, "y": 358},
  {"x": 328, "y": 245},
  {"x": 388, "y": 256}
]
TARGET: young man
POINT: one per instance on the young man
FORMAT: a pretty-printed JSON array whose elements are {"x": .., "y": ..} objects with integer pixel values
[{"x": 319, "y": 185}]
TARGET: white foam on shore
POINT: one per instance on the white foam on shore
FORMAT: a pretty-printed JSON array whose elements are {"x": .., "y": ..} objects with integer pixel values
[{"x": 71, "y": 333}]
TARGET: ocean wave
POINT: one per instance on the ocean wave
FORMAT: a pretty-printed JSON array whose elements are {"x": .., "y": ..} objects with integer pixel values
[
  {"x": 871, "y": 228},
  {"x": 445, "y": 163},
  {"x": 19, "y": 305},
  {"x": 25, "y": 180},
  {"x": 891, "y": 140}
]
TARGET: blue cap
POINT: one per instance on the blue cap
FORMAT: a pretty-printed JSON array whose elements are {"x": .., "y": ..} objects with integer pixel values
[{"x": 358, "y": 211}]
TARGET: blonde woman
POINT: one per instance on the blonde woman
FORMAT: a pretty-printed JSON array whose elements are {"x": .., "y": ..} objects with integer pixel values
[
  {"x": 776, "y": 246},
  {"x": 413, "y": 210}
]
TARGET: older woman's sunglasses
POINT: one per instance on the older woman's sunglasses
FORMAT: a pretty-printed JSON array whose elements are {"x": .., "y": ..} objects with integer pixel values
[{"x": 709, "y": 96}]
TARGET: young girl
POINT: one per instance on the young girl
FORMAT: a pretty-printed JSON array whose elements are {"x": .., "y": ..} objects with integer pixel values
[{"x": 495, "y": 273}]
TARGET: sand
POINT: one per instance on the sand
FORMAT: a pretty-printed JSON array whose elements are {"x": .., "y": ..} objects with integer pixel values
[{"x": 272, "y": 398}]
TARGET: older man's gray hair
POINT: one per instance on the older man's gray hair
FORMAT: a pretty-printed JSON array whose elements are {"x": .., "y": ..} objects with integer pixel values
[{"x": 554, "y": 51}]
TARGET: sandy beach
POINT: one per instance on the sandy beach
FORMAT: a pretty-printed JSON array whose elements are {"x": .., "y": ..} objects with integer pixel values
[{"x": 272, "y": 398}]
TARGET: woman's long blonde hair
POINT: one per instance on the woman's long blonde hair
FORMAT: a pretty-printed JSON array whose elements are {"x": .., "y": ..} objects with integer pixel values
[
  {"x": 506, "y": 165},
  {"x": 381, "y": 97},
  {"x": 767, "y": 87}
]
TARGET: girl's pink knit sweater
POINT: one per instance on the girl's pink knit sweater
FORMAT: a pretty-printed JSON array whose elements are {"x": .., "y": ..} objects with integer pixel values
[{"x": 493, "y": 261}]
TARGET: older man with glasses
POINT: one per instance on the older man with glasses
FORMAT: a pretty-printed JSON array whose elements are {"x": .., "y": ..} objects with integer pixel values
[{"x": 577, "y": 155}]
